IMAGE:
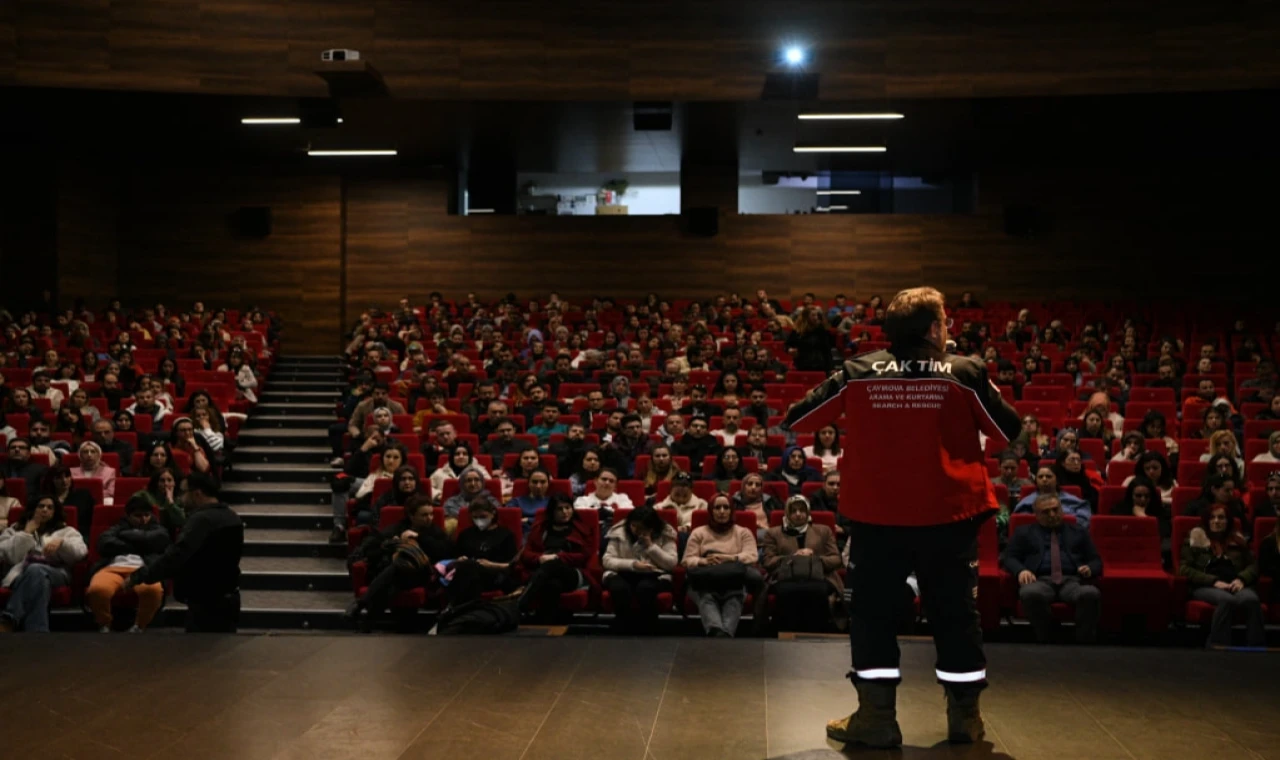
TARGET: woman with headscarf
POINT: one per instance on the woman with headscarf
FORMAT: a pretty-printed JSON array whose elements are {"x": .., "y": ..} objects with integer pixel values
[
  {"x": 460, "y": 460},
  {"x": 1272, "y": 454},
  {"x": 794, "y": 470},
  {"x": 92, "y": 466},
  {"x": 803, "y": 561},
  {"x": 471, "y": 488},
  {"x": 620, "y": 391},
  {"x": 1220, "y": 570},
  {"x": 720, "y": 593}
]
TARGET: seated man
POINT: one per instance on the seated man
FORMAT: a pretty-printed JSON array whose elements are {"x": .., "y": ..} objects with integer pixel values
[
  {"x": 505, "y": 443},
  {"x": 1046, "y": 485},
  {"x": 1050, "y": 559},
  {"x": 728, "y": 434},
  {"x": 548, "y": 424},
  {"x": 41, "y": 388},
  {"x": 145, "y": 403}
]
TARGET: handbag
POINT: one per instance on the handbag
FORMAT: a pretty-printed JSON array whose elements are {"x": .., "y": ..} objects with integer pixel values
[
  {"x": 409, "y": 557},
  {"x": 806, "y": 568},
  {"x": 727, "y": 576}
]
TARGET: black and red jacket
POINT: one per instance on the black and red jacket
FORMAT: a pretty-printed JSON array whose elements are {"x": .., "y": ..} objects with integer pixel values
[{"x": 912, "y": 455}]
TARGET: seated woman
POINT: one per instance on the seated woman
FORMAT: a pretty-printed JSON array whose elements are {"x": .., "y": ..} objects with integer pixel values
[
  {"x": 587, "y": 471},
  {"x": 1132, "y": 446},
  {"x": 559, "y": 556},
  {"x": 487, "y": 554},
  {"x": 471, "y": 488},
  {"x": 70, "y": 420},
  {"x": 1153, "y": 426},
  {"x": 662, "y": 468},
  {"x": 684, "y": 501},
  {"x": 1069, "y": 467},
  {"x": 57, "y": 482},
  {"x": 400, "y": 558},
  {"x": 1047, "y": 483},
  {"x": 92, "y": 466},
  {"x": 206, "y": 428},
  {"x": 1212, "y": 420},
  {"x": 37, "y": 555},
  {"x": 528, "y": 463},
  {"x": 1272, "y": 454},
  {"x": 720, "y": 557},
  {"x": 802, "y": 560},
  {"x": 183, "y": 438},
  {"x": 246, "y": 381},
  {"x": 1097, "y": 427},
  {"x": 794, "y": 471},
  {"x": 826, "y": 446},
  {"x": 539, "y": 497},
  {"x": 1219, "y": 490},
  {"x": 1223, "y": 443},
  {"x": 394, "y": 456},
  {"x": 163, "y": 494},
  {"x": 1142, "y": 499},
  {"x": 639, "y": 557},
  {"x": 404, "y": 486},
  {"x": 1156, "y": 468},
  {"x": 460, "y": 461},
  {"x": 729, "y": 467},
  {"x": 1220, "y": 570},
  {"x": 80, "y": 402},
  {"x": 132, "y": 543},
  {"x": 159, "y": 458}
]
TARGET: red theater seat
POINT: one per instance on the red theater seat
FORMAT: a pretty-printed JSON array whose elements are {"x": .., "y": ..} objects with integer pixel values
[{"x": 1133, "y": 580}]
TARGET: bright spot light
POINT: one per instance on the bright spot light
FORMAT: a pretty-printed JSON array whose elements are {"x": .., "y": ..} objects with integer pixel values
[{"x": 794, "y": 55}]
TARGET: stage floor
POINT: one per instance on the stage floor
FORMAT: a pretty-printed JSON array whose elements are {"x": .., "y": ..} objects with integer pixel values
[{"x": 381, "y": 697}]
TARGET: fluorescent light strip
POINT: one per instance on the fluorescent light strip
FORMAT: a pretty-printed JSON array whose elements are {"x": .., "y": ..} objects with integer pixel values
[
  {"x": 351, "y": 153},
  {"x": 839, "y": 192},
  {"x": 271, "y": 120},
  {"x": 837, "y": 208},
  {"x": 479, "y": 211},
  {"x": 840, "y": 149},
  {"x": 849, "y": 116}
]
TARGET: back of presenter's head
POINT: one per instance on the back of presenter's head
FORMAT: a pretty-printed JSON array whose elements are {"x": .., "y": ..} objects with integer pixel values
[{"x": 915, "y": 315}]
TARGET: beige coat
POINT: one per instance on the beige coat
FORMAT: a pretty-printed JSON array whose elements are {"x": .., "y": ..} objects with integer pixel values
[{"x": 778, "y": 545}]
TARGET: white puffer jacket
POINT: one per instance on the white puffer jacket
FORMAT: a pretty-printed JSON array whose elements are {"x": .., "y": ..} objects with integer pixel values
[{"x": 17, "y": 546}]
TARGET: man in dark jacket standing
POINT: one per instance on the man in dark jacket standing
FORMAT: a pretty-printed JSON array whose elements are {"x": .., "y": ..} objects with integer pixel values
[
  {"x": 1053, "y": 561},
  {"x": 916, "y": 490},
  {"x": 205, "y": 560}
]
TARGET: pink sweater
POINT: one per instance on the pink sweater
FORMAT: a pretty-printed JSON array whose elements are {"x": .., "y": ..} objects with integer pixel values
[
  {"x": 704, "y": 541},
  {"x": 105, "y": 473}
]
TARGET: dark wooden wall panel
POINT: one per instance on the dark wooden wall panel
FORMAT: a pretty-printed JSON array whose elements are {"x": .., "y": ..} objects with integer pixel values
[
  {"x": 662, "y": 49},
  {"x": 176, "y": 246},
  {"x": 88, "y": 258}
]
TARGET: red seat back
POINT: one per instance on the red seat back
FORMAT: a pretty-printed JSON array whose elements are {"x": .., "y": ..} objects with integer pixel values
[
  {"x": 1127, "y": 542},
  {"x": 1022, "y": 518}
]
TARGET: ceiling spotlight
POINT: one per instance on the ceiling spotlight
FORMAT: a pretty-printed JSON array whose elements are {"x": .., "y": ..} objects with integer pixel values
[
  {"x": 840, "y": 149},
  {"x": 256, "y": 121},
  {"x": 839, "y": 192},
  {"x": 351, "y": 152},
  {"x": 793, "y": 55},
  {"x": 849, "y": 116}
]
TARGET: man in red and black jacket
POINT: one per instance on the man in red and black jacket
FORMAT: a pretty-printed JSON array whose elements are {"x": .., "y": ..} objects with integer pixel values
[{"x": 915, "y": 486}]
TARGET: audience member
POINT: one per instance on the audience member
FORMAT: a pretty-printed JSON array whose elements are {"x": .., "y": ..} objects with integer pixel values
[
  {"x": 471, "y": 488},
  {"x": 92, "y": 466},
  {"x": 460, "y": 461},
  {"x": 124, "y": 547},
  {"x": 559, "y": 556},
  {"x": 1220, "y": 571},
  {"x": 684, "y": 501},
  {"x": 1047, "y": 485},
  {"x": 640, "y": 554},
  {"x": 487, "y": 554},
  {"x": 718, "y": 556},
  {"x": 36, "y": 554},
  {"x": 1053, "y": 561},
  {"x": 399, "y": 558},
  {"x": 794, "y": 471},
  {"x": 802, "y": 560}
]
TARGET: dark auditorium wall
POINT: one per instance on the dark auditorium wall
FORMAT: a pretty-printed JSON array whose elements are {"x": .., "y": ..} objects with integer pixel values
[
  {"x": 176, "y": 245},
  {"x": 656, "y": 50}
]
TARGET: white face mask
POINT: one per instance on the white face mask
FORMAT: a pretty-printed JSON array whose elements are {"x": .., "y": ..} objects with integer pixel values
[{"x": 482, "y": 523}]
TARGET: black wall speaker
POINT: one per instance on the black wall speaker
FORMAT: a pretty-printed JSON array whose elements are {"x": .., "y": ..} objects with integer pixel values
[
  {"x": 703, "y": 221},
  {"x": 1026, "y": 221},
  {"x": 252, "y": 221}
]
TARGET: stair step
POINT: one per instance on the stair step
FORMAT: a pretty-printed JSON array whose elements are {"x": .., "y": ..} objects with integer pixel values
[
  {"x": 318, "y": 421},
  {"x": 289, "y": 542},
  {"x": 278, "y": 472},
  {"x": 281, "y": 455},
  {"x": 269, "y": 436},
  {"x": 277, "y": 493},
  {"x": 305, "y": 385},
  {"x": 294, "y": 573},
  {"x": 272, "y": 393},
  {"x": 294, "y": 407},
  {"x": 306, "y": 517},
  {"x": 309, "y": 360}
]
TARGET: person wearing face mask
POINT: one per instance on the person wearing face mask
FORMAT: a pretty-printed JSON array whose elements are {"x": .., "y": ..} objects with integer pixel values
[
  {"x": 1053, "y": 561},
  {"x": 124, "y": 547},
  {"x": 486, "y": 553},
  {"x": 1220, "y": 570},
  {"x": 917, "y": 490},
  {"x": 802, "y": 560}
]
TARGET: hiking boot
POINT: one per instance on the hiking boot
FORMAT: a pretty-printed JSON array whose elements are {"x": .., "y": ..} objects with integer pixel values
[
  {"x": 875, "y": 724},
  {"x": 964, "y": 717}
]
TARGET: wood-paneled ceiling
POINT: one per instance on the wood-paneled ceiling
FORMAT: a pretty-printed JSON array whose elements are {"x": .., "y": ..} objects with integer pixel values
[{"x": 645, "y": 49}]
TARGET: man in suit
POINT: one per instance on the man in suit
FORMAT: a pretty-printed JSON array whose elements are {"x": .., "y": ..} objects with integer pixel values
[{"x": 1050, "y": 560}]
